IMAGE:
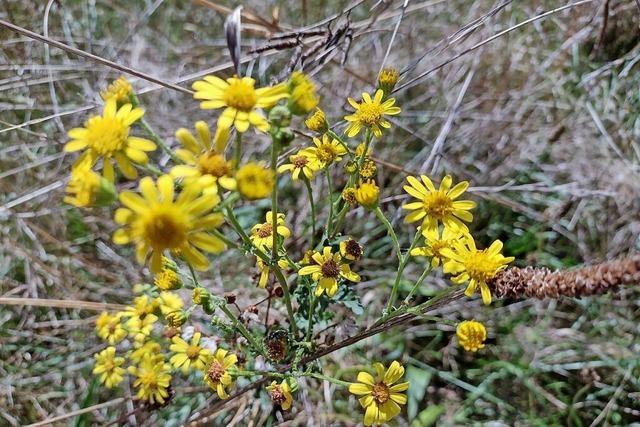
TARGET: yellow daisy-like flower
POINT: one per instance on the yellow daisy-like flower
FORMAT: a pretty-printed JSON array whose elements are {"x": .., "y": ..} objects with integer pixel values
[
  {"x": 387, "y": 79},
  {"x": 317, "y": 122},
  {"x": 153, "y": 378},
  {"x": 380, "y": 396},
  {"x": 204, "y": 162},
  {"x": 255, "y": 181},
  {"x": 144, "y": 349},
  {"x": 262, "y": 234},
  {"x": 435, "y": 241},
  {"x": 475, "y": 266},
  {"x": 119, "y": 90},
  {"x": 216, "y": 371},
  {"x": 326, "y": 151},
  {"x": 304, "y": 162},
  {"x": 280, "y": 394},
  {"x": 439, "y": 205},
  {"x": 87, "y": 188},
  {"x": 170, "y": 302},
  {"x": 240, "y": 99},
  {"x": 188, "y": 354},
  {"x": 109, "y": 367},
  {"x": 167, "y": 280},
  {"x": 370, "y": 114},
  {"x": 107, "y": 137},
  {"x": 156, "y": 223},
  {"x": 328, "y": 268},
  {"x": 367, "y": 194},
  {"x": 302, "y": 94},
  {"x": 351, "y": 249},
  {"x": 471, "y": 335},
  {"x": 109, "y": 327}
]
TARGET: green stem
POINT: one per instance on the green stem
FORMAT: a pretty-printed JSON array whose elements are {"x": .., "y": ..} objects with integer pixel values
[
  {"x": 313, "y": 207},
  {"x": 326, "y": 378},
  {"x": 158, "y": 140},
  {"x": 418, "y": 283},
  {"x": 392, "y": 233},
  {"x": 225, "y": 239},
  {"x": 287, "y": 297},
  {"x": 330, "y": 189},
  {"x": 312, "y": 308},
  {"x": 243, "y": 330},
  {"x": 404, "y": 260},
  {"x": 237, "y": 150}
]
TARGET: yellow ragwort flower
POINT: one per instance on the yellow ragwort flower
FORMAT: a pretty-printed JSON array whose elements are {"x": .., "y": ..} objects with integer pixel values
[
  {"x": 379, "y": 396},
  {"x": 153, "y": 378},
  {"x": 169, "y": 302},
  {"x": 302, "y": 162},
  {"x": 107, "y": 137},
  {"x": 302, "y": 93},
  {"x": 167, "y": 280},
  {"x": 370, "y": 113},
  {"x": 280, "y": 394},
  {"x": 317, "y": 122},
  {"x": 367, "y": 194},
  {"x": 326, "y": 151},
  {"x": 326, "y": 271},
  {"x": 434, "y": 206},
  {"x": 240, "y": 99},
  {"x": 368, "y": 169},
  {"x": 475, "y": 266},
  {"x": 262, "y": 234},
  {"x": 349, "y": 195},
  {"x": 87, "y": 188},
  {"x": 351, "y": 249},
  {"x": 204, "y": 161},
  {"x": 387, "y": 80},
  {"x": 119, "y": 90},
  {"x": 255, "y": 181},
  {"x": 216, "y": 371},
  {"x": 109, "y": 327},
  {"x": 471, "y": 335},
  {"x": 144, "y": 349},
  {"x": 188, "y": 354},
  {"x": 435, "y": 241},
  {"x": 109, "y": 367},
  {"x": 156, "y": 223}
]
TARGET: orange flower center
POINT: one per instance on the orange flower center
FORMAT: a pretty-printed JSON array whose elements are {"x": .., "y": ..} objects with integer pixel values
[
  {"x": 326, "y": 153},
  {"x": 438, "y": 204},
  {"x": 265, "y": 230},
  {"x": 165, "y": 228},
  {"x": 300, "y": 161},
  {"x": 107, "y": 135},
  {"x": 193, "y": 351},
  {"x": 380, "y": 393},
  {"x": 240, "y": 95},
  {"x": 213, "y": 164},
  {"x": 369, "y": 114}
]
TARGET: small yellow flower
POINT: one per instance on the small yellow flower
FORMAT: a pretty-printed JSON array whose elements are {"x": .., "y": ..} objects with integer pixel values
[
  {"x": 475, "y": 266},
  {"x": 169, "y": 302},
  {"x": 156, "y": 223},
  {"x": 434, "y": 206},
  {"x": 326, "y": 151},
  {"x": 87, "y": 188},
  {"x": 351, "y": 250},
  {"x": 144, "y": 349},
  {"x": 188, "y": 355},
  {"x": 264, "y": 270},
  {"x": 471, "y": 335},
  {"x": 107, "y": 137},
  {"x": 370, "y": 114},
  {"x": 109, "y": 367},
  {"x": 328, "y": 268},
  {"x": 380, "y": 398},
  {"x": 255, "y": 181},
  {"x": 240, "y": 99},
  {"x": 204, "y": 161},
  {"x": 109, "y": 327},
  {"x": 153, "y": 378},
  {"x": 368, "y": 169},
  {"x": 435, "y": 241},
  {"x": 367, "y": 194},
  {"x": 302, "y": 94},
  {"x": 317, "y": 122},
  {"x": 349, "y": 195},
  {"x": 387, "y": 79},
  {"x": 167, "y": 280},
  {"x": 216, "y": 371},
  {"x": 200, "y": 296},
  {"x": 262, "y": 234},
  {"x": 119, "y": 90},
  {"x": 280, "y": 394},
  {"x": 141, "y": 317},
  {"x": 304, "y": 161}
]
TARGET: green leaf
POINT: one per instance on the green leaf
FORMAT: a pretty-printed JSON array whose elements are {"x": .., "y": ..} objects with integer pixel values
[
  {"x": 419, "y": 380},
  {"x": 428, "y": 417}
]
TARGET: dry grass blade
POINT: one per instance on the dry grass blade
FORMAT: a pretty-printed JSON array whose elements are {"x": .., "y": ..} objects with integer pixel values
[{"x": 60, "y": 303}]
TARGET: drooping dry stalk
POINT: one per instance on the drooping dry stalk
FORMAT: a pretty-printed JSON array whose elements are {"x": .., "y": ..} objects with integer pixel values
[{"x": 580, "y": 282}]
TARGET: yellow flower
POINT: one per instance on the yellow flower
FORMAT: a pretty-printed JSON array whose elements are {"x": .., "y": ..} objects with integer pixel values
[
  {"x": 302, "y": 94},
  {"x": 280, "y": 394},
  {"x": 109, "y": 367},
  {"x": 188, "y": 354},
  {"x": 119, "y": 90},
  {"x": 379, "y": 396},
  {"x": 264, "y": 270},
  {"x": 475, "y": 266},
  {"x": 262, "y": 234},
  {"x": 328, "y": 268},
  {"x": 141, "y": 317},
  {"x": 370, "y": 114},
  {"x": 204, "y": 162},
  {"x": 155, "y": 223},
  {"x": 436, "y": 241},
  {"x": 387, "y": 79},
  {"x": 109, "y": 327},
  {"x": 107, "y": 137},
  {"x": 367, "y": 194},
  {"x": 439, "y": 205},
  {"x": 326, "y": 151},
  {"x": 240, "y": 100},
  {"x": 304, "y": 161},
  {"x": 143, "y": 350},
  {"x": 349, "y": 195},
  {"x": 255, "y": 181},
  {"x": 200, "y": 296},
  {"x": 86, "y": 188},
  {"x": 317, "y": 122},
  {"x": 170, "y": 302},
  {"x": 351, "y": 250},
  {"x": 167, "y": 280},
  {"x": 368, "y": 169},
  {"x": 153, "y": 379},
  {"x": 471, "y": 335},
  {"x": 216, "y": 371}
]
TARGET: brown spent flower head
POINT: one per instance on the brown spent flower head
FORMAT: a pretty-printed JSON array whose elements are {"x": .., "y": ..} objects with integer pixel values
[
  {"x": 576, "y": 283},
  {"x": 368, "y": 169},
  {"x": 349, "y": 196}
]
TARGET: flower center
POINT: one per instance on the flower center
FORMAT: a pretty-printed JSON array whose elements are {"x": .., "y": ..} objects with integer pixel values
[
  {"x": 240, "y": 95},
  {"x": 330, "y": 268},
  {"x": 300, "y": 161},
  {"x": 193, "y": 351},
  {"x": 265, "y": 230},
  {"x": 109, "y": 365},
  {"x": 353, "y": 248},
  {"x": 326, "y": 153},
  {"x": 438, "y": 204},
  {"x": 277, "y": 395},
  {"x": 215, "y": 372},
  {"x": 380, "y": 393},
  {"x": 107, "y": 135},
  {"x": 480, "y": 267},
  {"x": 369, "y": 114},
  {"x": 213, "y": 164},
  {"x": 165, "y": 228}
]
